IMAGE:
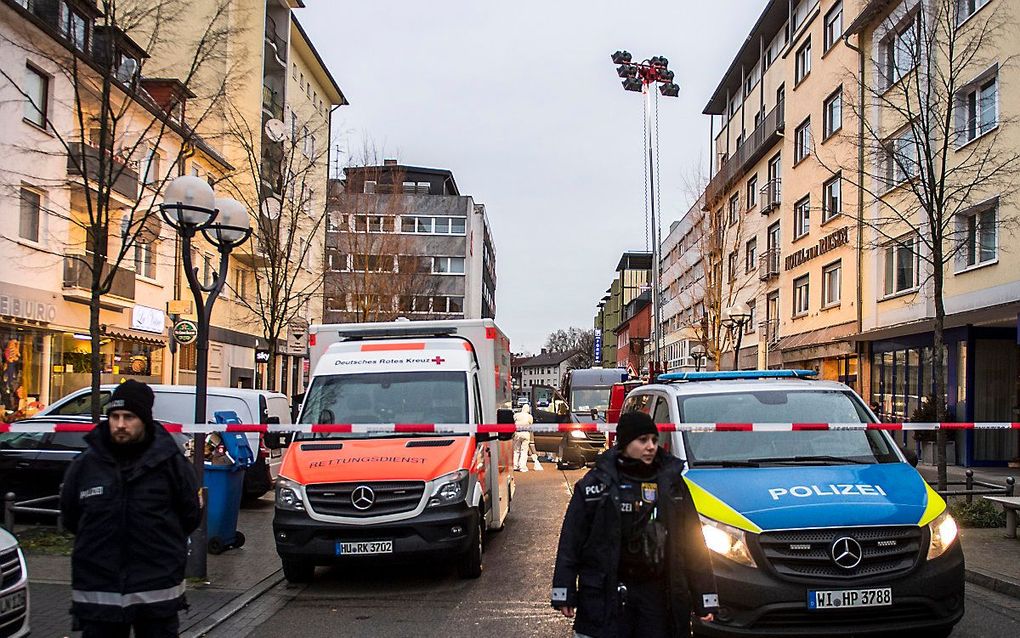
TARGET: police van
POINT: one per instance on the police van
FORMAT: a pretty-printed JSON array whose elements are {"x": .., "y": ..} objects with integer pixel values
[{"x": 822, "y": 533}]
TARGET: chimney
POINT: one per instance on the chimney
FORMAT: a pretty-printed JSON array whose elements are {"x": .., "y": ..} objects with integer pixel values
[
  {"x": 544, "y": 351},
  {"x": 389, "y": 162}
]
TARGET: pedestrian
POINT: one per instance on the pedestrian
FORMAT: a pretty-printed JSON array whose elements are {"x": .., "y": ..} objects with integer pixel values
[
  {"x": 522, "y": 438},
  {"x": 131, "y": 500},
  {"x": 632, "y": 560}
]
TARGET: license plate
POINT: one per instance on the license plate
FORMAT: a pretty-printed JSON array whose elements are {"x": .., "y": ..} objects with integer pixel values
[
  {"x": 12, "y": 602},
  {"x": 363, "y": 548},
  {"x": 850, "y": 598}
]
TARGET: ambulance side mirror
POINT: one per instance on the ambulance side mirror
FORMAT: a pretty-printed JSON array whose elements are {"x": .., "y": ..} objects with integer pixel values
[
  {"x": 505, "y": 417},
  {"x": 276, "y": 440}
]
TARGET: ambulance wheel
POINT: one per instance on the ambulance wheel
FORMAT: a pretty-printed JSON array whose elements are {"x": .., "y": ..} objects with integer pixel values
[
  {"x": 297, "y": 571},
  {"x": 238, "y": 539},
  {"x": 216, "y": 546},
  {"x": 470, "y": 564}
]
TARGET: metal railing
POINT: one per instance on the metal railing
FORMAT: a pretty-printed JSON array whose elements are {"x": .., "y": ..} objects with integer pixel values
[
  {"x": 768, "y": 264},
  {"x": 31, "y": 506},
  {"x": 972, "y": 488},
  {"x": 271, "y": 102},
  {"x": 751, "y": 150},
  {"x": 88, "y": 159},
  {"x": 78, "y": 274},
  {"x": 771, "y": 195},
  {"x": 273, "y": 38}
]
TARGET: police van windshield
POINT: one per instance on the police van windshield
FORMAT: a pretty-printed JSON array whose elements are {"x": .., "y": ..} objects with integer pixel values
[
  {"x": 584, "y": 399},
  {"x": 388, "y": 397},
  {"x": 781, "y": 406}
]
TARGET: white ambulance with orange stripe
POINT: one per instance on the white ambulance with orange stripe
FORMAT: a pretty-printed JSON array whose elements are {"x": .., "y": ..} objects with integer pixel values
[{"x": 344, "y": 494}]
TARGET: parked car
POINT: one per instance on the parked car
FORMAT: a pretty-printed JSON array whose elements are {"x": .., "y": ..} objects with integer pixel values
[
  {"x": 176, "y": 404},
  {"x": 13, "y": 588}
]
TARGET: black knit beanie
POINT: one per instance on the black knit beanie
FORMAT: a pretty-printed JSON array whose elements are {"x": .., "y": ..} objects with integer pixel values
[
  {"x": 135, "y": 397},
  {"x": 631, "y": 426}
]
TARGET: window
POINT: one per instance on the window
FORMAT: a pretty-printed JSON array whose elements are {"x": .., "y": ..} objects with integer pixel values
[
  {"x": 801, "y": 295},
  {"x": 832, "y": 280},
  {"x": 240, "y": 283},
  {"x": 832, "y": 113},
  {"x": 832, "y": 198},
  {"x": 833, "y": 25},
  {"x": 979, "y": 237},
  {"x": 448, "y": 265},
  {"x": 753, "y": 76},
  {"x": 803, "y": 62},
  {"x": 980, "y": 109},
  {"x": 967, "y": 8},
  {"x": 901, "y": 158},
  {"x": 37, "y": 91},
  {"x": 369, "y": 187},
  {"x": 900, "y": 50},
  {"x": 374, "y": 223},
  {"x": 752, "y": 192},
  {"x": 751, "y": 255},
  {"x": 802, "y": 217},
  {"x": 152, "y": 168},
  {"x": 373, "y": 263},
  {"x": 734, "y": 259},
  {"x": 734, "y": 209},
  {"x": 802, "y": 142},
  {"x": 31, "y": 209},
  {"x": 145, "y": 258},
  {"x": 901, "y": 266},
  {"x": 752, "y": 318},
  {"x": 74, "y": 27}
]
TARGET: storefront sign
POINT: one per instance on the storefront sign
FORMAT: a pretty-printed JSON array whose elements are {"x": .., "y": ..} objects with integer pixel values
[
  {"x": 179, "y": 307},
  {"x": 148, "y": 319},
  {"x": 19, "y": 302},
  {"x": 598, "y": 347},
  {"x": 261, "y": 355},
  {"x": 830, "y": 242},
  {"x": 185, "y": 332}
]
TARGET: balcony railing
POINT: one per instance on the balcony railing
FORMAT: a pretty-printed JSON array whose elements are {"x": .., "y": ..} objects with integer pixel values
[
  {"x": 273, "y": 38},
  {"x": 124, "y": 178},
  {"x": 750, "y": 151},
  {"x": 271, "y": 102},
  {"x": 771, "y": 195},
  {"x": 768, "y": 264},
  {"x": 77, "y": 274}
]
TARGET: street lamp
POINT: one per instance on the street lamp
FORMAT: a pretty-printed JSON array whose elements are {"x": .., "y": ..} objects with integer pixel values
[
  {"x": 642, "y": 76},
  {"x": 697, "y": 352},
  {"x": 736, "y": 317},
  {"x": 190, "y": 207}
]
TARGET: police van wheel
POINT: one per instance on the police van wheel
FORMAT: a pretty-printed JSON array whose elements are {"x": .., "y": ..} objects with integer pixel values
[
  {"x": 297, "y": 571},
  {"x": 470, "y": 564}
]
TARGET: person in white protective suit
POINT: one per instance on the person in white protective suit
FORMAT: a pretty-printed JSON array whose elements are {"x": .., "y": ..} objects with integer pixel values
[{"x": 522, "y": 438}]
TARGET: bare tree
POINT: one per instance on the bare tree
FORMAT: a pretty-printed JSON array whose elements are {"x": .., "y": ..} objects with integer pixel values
[
  {"x": 936, "y": 182},
  {"x": 106, "y": 124},
  {"x": 574, "y": 339}
]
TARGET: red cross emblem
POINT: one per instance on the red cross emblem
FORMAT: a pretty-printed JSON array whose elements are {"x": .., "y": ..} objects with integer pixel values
[{"x": 439, "y": 360}]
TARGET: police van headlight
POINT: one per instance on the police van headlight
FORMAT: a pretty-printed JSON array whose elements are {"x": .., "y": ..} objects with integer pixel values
[
  {"x": 288, "y": 495},
  {"x": 727, "y": 541},
  {"x": 943, "y": 532},
  {"x": 449, "y": 489}
]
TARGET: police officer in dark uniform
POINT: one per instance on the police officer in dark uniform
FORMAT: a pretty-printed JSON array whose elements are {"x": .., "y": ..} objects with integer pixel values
[
  {"x": 632, "y": 560},
  {"x": 131, "y": 500}
]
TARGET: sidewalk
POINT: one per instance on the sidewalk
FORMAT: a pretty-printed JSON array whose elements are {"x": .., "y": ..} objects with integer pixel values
[
  {"x": 993, "y": 561},
  {"x": 231, "y": 575}
]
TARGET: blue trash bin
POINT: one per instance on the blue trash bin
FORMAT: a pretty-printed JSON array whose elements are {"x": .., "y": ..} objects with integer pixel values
[{"x": 224, "y": 485}]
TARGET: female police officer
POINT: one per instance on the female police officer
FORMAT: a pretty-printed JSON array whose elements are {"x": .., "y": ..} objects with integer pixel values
[{"x": 632, "y": 561}]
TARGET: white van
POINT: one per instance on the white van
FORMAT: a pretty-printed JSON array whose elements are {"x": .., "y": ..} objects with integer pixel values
[
  {"x": 176, "y": 404},
  {"x": 13, "y": 588}
]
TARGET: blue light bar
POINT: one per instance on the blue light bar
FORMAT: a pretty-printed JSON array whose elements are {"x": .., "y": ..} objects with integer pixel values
[{"x": 725, "y": 375}]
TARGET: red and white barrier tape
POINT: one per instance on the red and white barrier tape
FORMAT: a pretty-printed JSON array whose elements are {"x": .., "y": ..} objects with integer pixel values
[{"x": 462, "y": 428}]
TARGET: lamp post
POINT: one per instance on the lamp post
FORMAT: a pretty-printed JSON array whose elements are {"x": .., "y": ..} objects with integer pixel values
[
  {"x": 697, "y": 352},
  {"x": 736, "y": 317},
  {"x": 190, "y": 207},
  {"x": 642, "y": 76}
]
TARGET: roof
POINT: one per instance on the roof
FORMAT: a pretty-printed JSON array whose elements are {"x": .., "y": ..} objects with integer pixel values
[
  {"x": 870, "y": 11},
  {"x": 338, "y": 98},
  {"x": 769, "y": 23},
  {"x": 388, "y": 168},
  {"x": 635, "y": 260},
  {"x": 742, "y": 385},
  {"x": 547, "y": 359}
]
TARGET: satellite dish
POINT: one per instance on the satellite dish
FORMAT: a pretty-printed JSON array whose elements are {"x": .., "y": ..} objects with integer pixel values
[
  {"x": 271, "y": 206},
  {"x": 276, "y": 130}
]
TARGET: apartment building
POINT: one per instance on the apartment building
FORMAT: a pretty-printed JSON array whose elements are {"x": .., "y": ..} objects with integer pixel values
[
  {"x": 633, "y": 276},
  {"x": 546, "y": 368},
  {"x": 402, "y": 241},
  {"x": 683, "y": 292},
  {"x": 48, "y": 193}
]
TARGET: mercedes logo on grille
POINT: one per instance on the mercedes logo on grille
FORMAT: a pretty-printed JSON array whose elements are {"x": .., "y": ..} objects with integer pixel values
[
  {"x": 847, "y": 552},
  {"x": 362, "y": 497}
]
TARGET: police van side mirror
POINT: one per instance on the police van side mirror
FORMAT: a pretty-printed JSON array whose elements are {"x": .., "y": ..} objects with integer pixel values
[{"x": 910, "y": 455}]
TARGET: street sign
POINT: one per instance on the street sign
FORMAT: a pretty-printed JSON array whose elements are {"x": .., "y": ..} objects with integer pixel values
[
  {"x": 178, "y": 307},
  {"x": 261, "y": 355},
  {"x": 185, "y": 332},
  {"x": 598, "y": 347}
]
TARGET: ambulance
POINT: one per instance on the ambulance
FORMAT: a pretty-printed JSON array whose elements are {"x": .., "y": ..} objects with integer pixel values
[
  {"x": 403, "y": 491},
  {"x": 825, "y": 532}
]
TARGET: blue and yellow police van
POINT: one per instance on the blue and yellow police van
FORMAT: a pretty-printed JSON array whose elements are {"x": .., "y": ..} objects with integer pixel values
[{"x": 829, "y": 531}]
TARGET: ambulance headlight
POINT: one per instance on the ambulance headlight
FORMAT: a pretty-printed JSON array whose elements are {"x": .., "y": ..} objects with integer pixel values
[
  {"x": 288, "y": 495},
  {"x": 578, "y": 434},
  {"x": 727, "y": 541},
  {"x": 449, "y": 489},
  {"x": 943, "y": 532}
]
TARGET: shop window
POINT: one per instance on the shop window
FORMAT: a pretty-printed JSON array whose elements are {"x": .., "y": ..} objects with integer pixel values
[
  {"x": 20, "y": 373},
  {"x": 188, "y": 357}
]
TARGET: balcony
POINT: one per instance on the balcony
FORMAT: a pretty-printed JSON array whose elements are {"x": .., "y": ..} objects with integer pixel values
[
  {"x": 768, "y": 264},
  {"x": 125, "y": 178},
  {"x": 751, "y": 150},
  {"x": 78, "y": 283},
  {"x": 271, "y": 103},
  {"x": 275, "y": 42},
  {"x": 771, "y": 196}
]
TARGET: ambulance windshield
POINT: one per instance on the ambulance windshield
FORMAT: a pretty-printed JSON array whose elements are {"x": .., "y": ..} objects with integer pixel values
[{"x": 388, "y": 397}]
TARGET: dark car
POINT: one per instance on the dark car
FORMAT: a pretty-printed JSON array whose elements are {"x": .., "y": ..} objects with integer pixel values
[{"x": 570, "y": 449}]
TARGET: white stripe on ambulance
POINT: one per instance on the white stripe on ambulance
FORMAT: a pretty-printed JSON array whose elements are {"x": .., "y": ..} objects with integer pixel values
[{"x": 832, "y": 489}]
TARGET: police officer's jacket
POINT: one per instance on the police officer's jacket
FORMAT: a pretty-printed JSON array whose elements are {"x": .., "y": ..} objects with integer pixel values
[
  {"x": 590, "y": 543},
  {"x": 131, "y": 522}
]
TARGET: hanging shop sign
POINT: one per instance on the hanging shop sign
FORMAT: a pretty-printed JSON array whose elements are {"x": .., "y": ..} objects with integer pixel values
[
  {"x": 148, "y": 319},
  {"x": 185, "y": 332},
  {"x": 261, "y": 355},
  {"x": 828, "y": 243}
]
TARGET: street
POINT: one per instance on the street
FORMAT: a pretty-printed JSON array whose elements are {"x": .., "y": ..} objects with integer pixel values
[{"x": 510, "y": 598}]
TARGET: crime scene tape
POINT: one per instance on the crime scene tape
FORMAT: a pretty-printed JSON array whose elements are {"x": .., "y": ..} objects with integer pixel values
[{"x": 470, "y": 428}]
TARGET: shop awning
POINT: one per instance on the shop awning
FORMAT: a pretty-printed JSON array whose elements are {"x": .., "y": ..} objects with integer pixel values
[
  {"x": 835, "y": 336},
  {"x": 134, "y": 335}
]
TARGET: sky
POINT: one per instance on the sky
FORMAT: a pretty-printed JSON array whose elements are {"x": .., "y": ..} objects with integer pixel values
[{"x": 522, "y": 102}]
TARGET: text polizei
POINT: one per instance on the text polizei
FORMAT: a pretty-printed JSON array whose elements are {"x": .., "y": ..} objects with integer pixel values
[{"x": 831, "y": 489}]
